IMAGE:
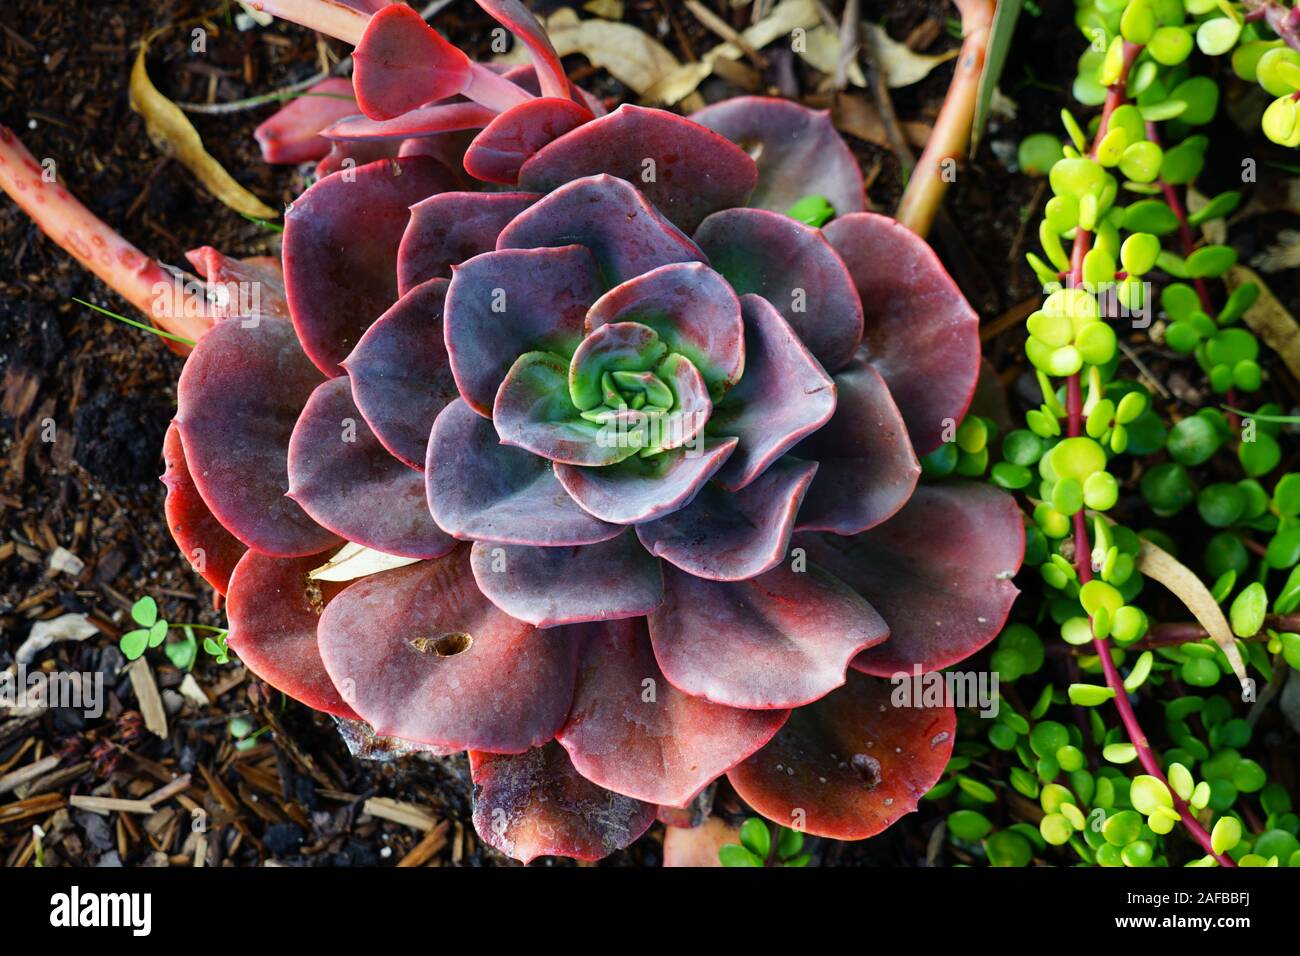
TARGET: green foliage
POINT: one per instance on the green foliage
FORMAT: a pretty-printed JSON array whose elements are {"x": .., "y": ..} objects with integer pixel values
[{"x": 755, "y": 846}]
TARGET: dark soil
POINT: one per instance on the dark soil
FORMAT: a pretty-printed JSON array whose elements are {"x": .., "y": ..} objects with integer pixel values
[{"x": 85, "y": 402}]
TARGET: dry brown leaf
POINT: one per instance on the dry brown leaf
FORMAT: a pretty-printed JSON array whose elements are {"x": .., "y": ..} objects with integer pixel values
[
  {"x": 897, "y": 63},
  {"x": 1269, "y": 319},
  {"x": 174, "y": 135},
  {"x": 821, "y": 51}
]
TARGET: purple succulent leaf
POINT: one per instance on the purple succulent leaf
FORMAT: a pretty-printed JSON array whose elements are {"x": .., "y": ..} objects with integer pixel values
[
  {"x": 782, "y": 639},
  {"x": 694, "y": 171},
  {"x": 400, "y": 375},
  {"x": 693, "y": 310},
  {"x": 348, "y": 482},
  {"x": 417, "y": 124},
  {"x": 794, "y": 268},
  {"x": 450, "y": 228},
  {"x": 692, "y": 407},
  {"x": 920, "y": 332},
  {"x": 481, "y": 490},
  {"x": 509, "y": 140},
  {"x": 238, "y": 399},
  {"x": 519, "y": 20},
  {"x": 536, "y": 804},
  {"x": 340, "y": 251},
  {"x": 798, "y": 152},
  {"x": 533, "y": 412},
  {"x": 868, "y": 468},
  {"x": 402, "y": 63},
  {"x": 211, "y": 550},
  {"x": 273, "y": 611},
  {"x": 664, "y": 749},
  {"x": 643, "y": 489},
  {"x": 851, "y": 764},
  {"x": 785, "y": 395},
  {"x": 550, "y": 586},
  {"x": 293, "y": 133},
  {"x": 625, "y": 233},
  {"x": 940, "y": 572},
  {"x": 427, "y": 658},
  {"x": 524, "y": 76},
  {"x": 503, "y": 304},
  {"x": 353, "y": 154},
  {"x": 726, "y": 536}
]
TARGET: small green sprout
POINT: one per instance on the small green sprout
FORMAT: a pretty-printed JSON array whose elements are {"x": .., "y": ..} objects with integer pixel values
[{"x": 756, "y": 848}]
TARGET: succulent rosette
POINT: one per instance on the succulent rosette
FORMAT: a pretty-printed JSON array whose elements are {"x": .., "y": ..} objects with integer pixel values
[{"x": 644, "y": 447}]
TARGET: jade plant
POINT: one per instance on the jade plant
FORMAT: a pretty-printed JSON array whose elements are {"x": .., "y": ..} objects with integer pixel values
[{"x": 628, "y": 447}]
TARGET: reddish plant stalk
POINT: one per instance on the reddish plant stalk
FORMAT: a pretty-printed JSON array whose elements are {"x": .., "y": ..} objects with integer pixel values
[{"x": 1115, "y": 96}]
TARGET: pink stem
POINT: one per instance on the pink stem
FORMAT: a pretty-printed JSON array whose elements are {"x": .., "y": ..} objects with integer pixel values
[
  {"x": 323, "y": 16},
  {"x": 493, "y": 90},
  {"x": 129, "y": 272}
]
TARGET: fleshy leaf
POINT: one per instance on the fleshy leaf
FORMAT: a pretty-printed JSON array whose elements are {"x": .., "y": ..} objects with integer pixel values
[
  {"x": 692, "y": 309},
  {"x": 850, "y": 765},
  {"x": 239, "y": 396},
  {"x": 292, "y": 134},
  {"x": 632, "y": 732},
  {"x": 782, "y": 639},
  {"x": 340, "y": 250},
  {"x": 940, "y": 572},
  {"x": 503, "y": 304},
  {"x": 685, "y": 170},
  {"x": 535, "y": 804},
  {"x": 868, "y": 469},
  {"x": 794, "y": 268},
  {"x": 625, "y": 233},
  {"x": 798, "y": 152},
  {"x": 514, "y": 136},
  {"x": 548, "y": 586},
  {"x": 728, "y": 537},
  {"x": 211, "y": 550},
  {"x": 417, "y": 124},
  {"x": 620, "y": 346},
  {"x": 423, "y": 656},
  {"x": 346, "y": 480},
  {"x": 240, "y": 288},
  {"x": 785, "y": 395},
  {"x": 450, "y": 228},
  {"x": 273, "y": 610},
  {"x": 642, "y": 489},
  {"x": 402, "y": 63},
  {"x": 400, "y": 376},
  {"x": 481, "y": 490},
  {"x": 920, "y": 333}
]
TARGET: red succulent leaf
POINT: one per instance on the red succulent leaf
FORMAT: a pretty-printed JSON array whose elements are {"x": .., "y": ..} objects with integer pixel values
[
  {"x": 798, "y": 152},
  {"x": 782, "y": 639},
  {"x": 726, "y": 536},
  {"x": 402, "y": 63},
  {"x": 535, "y": 804},
  {"x": 794, "y": 268},
  {"x": 450, "y": 228},
  {"x": 340, "y": 250},
  {"x": 417, "y": 124},
  {"x": 211, "y": 550},
  {"x": 519, "y": 20},
  {"x": 939, "y": 571},
  {"x": 239, "y": 397},
  {"x": 353, "y": 154},
  {"x": 642, "y": 489},
  {"x": 367, "y": 6},
  {"x": 481, "y": 490},
  {"x": 785, "y": 395},
  {"x": 685, "y": 170},
  {"x": 293, "y": 133},
  {"x": 548, "y": 586},
  {"x": 868, "y": 468},
  {"x": 632, "y": 732},
  {"x": 346, "y": 480},
  {"x": 424, "y": 656},
  {"x": 400, "y": 375},
  {"x": 244, "y": 288},
  {"x": 849, "y": 765},
  {"x": 625, "y": 233},
  {"x": 503, "y": 304},
  {"x": 920, "y": 332},
  {"x": 514, "y": 136},
  {"x": 694, "y": 312},
  {"x": 273, "y": 611}
]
